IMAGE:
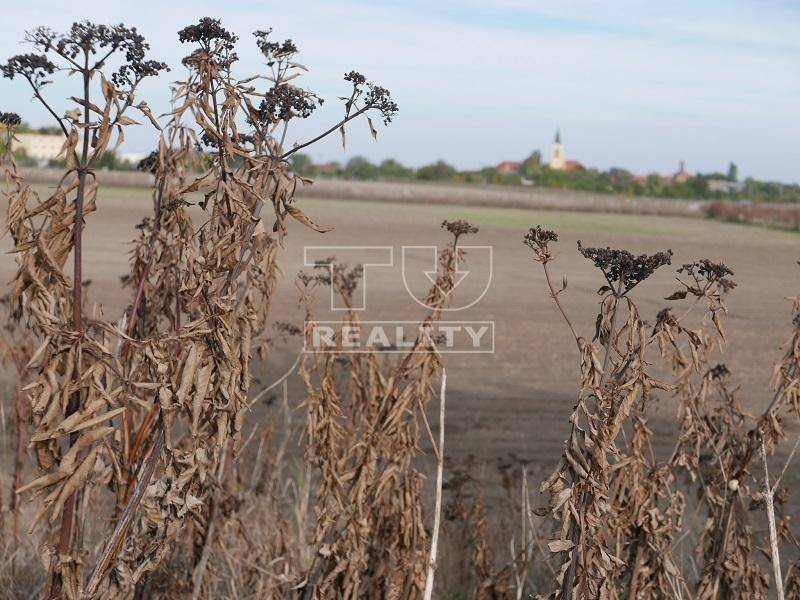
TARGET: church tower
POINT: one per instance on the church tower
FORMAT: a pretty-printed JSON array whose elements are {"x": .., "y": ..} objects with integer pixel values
[{"x": 557, "y": 160}]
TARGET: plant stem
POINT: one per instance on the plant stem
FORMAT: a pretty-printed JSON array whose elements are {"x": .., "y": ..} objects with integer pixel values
[
  {"x": 554, "y": 296},
  {"x": 18, "y": 461},
  {"x": 569, "y": 576},
  {"x": 118, "y": 536},
  {"x": 769, "y": 498},
  {"x": 437, "y": 519},
  {"x": 68, "y": 514},
  {"x": 344, "y": 121}
]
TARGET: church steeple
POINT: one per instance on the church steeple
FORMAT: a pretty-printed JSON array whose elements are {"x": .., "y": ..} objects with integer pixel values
[{"x": 557, "y": 160}]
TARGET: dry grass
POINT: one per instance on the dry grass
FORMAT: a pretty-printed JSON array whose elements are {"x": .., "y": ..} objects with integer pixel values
[{"x": 154, "y": 478}]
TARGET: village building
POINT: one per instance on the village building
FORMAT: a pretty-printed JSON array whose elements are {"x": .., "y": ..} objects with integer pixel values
[
  {"x": 508, "y": 166},
  {"x": 41, "y": 147},
  {"x": 682, "y": 176},
  {"x": 558, "y": 160},
  {"x": 327, "y": 169},
  {"x": 724, "y": 186}
]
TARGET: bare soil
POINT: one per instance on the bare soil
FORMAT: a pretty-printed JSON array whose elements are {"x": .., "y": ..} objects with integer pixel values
[{"x": 516, "y": 400}]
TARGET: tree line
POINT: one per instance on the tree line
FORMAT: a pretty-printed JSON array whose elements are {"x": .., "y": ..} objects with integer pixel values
[{"x": 534, "y": 171}]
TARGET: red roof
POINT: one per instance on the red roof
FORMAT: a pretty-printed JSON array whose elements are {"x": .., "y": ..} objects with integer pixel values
[
  {"x": 328, "y": 167},
  {"x": 573, "y": 165},
  {"x": 507, "y": 166},
  {"x": 682, "y": 175}
]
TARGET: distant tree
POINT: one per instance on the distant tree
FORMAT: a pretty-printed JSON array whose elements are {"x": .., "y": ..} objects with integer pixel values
[
  {"x": 620, "y": 177},
  {"x": 25, "y": 128},
  {"x": 699, "y": 186},
  {"x": 123, "y": 164},
  {"x": 22, "y": 158},
  {"x": 532, "y": 165},
  {"x": 108, "y": 160},
  {"x": 552, "y": 178},
  {"x": 392, "y": 169},
  {"x": 359, "y": 167},
  {"x": 438, "y": 171},
  {"x": 654, "y": 185},
  {"x": 469, "y": 177},
  {"x": 302, "y": 164},
  {"x": 733, "y": 172},
  {"x": 492, "y": 175}
]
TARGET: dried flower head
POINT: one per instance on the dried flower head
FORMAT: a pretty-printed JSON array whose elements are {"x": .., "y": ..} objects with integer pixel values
[
  {"x": 149, "y": 163},
  {"x": 459, "y": 228},
  {"x": 341, "y": 276},
  {"x": 33, "y": 67},
  {"x": 538, "y": 240},
  {"x": 355, "y": 77},
  {"x": 378, "y": 97},
  {"x": 206, "y": 32},
  {"x": 130, "y": 74},
  {"x": 216, "y": 43},
  {"x": 374, "y": 97},
  {"x": 273, "y": 51},
  {"x": 719, "y": 371},
  {"x": 665, "y": 317},
  {"x": 711, "y": 273},
  {"x": 10, "y": 119},
  {"x": 285, "y": 102},
  {"x": 620, "y": 266},
  {"x": 288, "y": 329},
  {"x": 90, "y": 38}
]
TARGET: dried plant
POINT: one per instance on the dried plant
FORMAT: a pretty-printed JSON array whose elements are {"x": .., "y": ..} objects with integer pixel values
[
  {"x": 363, "y": 434},
  {"x": 152, "y": 482},
  {"x": 618, "y": 509},
  {"x": 154, "y": 405}
]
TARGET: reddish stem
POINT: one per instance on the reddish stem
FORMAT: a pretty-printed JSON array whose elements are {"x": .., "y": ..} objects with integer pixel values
[
  {"x": 18, "y": 462},
  {"x": 68, "y": 514}
]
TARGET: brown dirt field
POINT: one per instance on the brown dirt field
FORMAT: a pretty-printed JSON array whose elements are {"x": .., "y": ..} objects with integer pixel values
[{"x": 516, "y": 400}]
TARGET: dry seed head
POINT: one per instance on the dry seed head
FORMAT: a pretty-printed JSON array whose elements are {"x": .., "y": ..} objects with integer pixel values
[
  {"x": 206, "y": 31},
  {"x": 285, "y": 103},
  {"x": 10, "y": 119},
  {"x": 621, "y": 265},
  {"x": 710, "y": 272},
  {"x": 538, "y": 239},
  {"x": 216, "y": 45},
  {"x": 719, "y": 371},
  {"x": 273, "y": 51},
  {"x": 374, "y": 96},
  {"x": 33, "y": 67},
  {"x": 459, "y": 228}
]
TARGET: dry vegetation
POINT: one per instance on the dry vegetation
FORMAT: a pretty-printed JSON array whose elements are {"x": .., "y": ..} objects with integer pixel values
[{"x": 153, "y": 477}]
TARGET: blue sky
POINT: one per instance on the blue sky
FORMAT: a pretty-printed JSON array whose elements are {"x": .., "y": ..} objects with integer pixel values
[{"x": 634, "y": 84}]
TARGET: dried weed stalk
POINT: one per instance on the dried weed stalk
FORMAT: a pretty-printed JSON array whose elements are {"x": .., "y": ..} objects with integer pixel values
[
  {"x": 618, "y": 509},
  {"x": 152, "y": 407},
  {"x": 363, "y": 435}
]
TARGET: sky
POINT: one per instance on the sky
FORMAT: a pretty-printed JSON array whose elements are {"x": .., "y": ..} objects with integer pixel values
[{"x": 632, "y": 84}]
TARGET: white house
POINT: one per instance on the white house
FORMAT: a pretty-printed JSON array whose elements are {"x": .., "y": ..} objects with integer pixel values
[{"x": 41, "y": 147}]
